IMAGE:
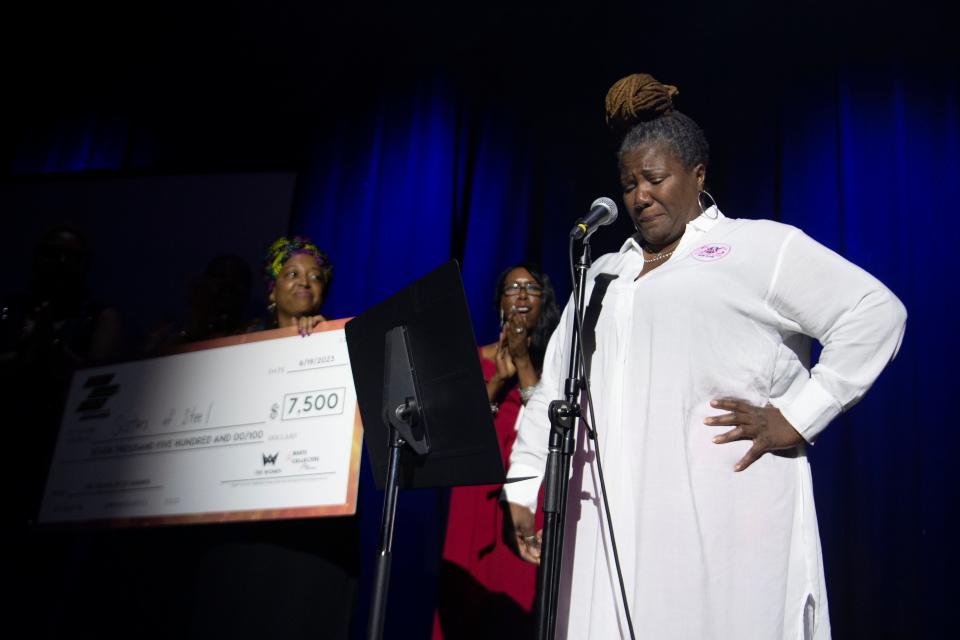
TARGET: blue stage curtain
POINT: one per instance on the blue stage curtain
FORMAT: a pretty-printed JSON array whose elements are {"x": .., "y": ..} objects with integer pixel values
[
  {"x": 869, "y": 159},
  {"x": 76, "y": 143},
  {"x": 428, "y": 175}
]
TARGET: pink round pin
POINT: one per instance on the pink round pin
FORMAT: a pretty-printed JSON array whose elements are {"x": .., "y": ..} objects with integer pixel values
[{"x": 709, "y": 252}]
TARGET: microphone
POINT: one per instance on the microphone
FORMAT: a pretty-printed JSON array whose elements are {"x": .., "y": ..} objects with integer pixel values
[{"x": 602, "y": 211}]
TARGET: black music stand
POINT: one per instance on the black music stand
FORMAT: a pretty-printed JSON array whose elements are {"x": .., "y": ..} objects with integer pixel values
[{"x": 417, "y": 372}]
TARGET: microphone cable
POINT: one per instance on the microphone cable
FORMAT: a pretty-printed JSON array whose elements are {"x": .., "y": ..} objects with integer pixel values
[{"x": 592, "y": 433}]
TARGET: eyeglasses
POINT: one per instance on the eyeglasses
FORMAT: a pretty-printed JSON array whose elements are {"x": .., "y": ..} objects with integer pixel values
[{"x": 513, "y": 289}]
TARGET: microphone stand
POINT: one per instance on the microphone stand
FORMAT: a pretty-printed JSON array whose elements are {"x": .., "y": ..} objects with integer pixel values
[{"x": 563, "y": 415}]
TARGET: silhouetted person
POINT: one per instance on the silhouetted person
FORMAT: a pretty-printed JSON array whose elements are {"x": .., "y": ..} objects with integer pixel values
[
  {"x": 217, "y": 306},
  {"x": 46, "y": 333}
]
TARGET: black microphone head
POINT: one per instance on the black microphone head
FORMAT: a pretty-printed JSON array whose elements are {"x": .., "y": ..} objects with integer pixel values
[{"x": 610, "y": 206}]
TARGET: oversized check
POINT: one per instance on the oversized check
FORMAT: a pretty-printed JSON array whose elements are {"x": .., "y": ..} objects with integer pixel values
[{"x": 258, "y": 426}]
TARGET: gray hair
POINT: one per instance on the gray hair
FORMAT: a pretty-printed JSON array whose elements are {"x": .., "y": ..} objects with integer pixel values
[{"x": 678, "y": 131}]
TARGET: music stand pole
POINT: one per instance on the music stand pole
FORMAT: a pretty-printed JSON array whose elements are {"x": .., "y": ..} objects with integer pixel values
[
  {"x": 381, "y": 576},
  {"x": 563, "y": 415}
]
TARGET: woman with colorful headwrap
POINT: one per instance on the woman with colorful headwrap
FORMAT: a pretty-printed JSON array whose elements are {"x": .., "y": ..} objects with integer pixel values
[
  {"x": 303, "y": 572},
  {"x": 705, "y": 401},
  {"x": 298, "y": 276}
]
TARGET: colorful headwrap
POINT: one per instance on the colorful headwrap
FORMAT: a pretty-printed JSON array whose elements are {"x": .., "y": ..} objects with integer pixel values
[{"x": 284, "y": 248}]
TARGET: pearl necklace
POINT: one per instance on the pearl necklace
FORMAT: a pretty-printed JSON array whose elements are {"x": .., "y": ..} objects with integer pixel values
[{"x": 658, "y": 257}]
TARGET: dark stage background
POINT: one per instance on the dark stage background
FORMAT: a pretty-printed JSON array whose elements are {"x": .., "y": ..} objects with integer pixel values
[{"x": 476, "y": 131}]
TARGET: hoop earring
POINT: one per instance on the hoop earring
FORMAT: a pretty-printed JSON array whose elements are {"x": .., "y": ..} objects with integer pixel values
[
  {"x": 272, "y": 307},
  {"x": 713, "y": 203}
]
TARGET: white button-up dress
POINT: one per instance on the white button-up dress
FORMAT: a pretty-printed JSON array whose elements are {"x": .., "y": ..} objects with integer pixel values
[{"x": 706, "y": 552}]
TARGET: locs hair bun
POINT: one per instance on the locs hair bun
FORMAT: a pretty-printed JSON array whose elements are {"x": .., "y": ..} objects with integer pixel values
[{"x": 637, "y": 98}]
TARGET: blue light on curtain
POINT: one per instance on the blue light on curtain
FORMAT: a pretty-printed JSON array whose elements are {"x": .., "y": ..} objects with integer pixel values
[
  {"x": 424, "y": 178},
  {"x": 870, "y": 159},
  {"x": 73, "y": 144},
  {"x": 378, "y": 199}
]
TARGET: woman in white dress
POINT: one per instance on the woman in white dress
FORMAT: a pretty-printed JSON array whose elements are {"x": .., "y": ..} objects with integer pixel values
[{"x": 705, "y": 403}]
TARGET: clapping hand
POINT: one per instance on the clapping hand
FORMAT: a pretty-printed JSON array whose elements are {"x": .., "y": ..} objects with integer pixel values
[
  {"x": 517, "y": 335},
  {"x": 506, "y": 368}
]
